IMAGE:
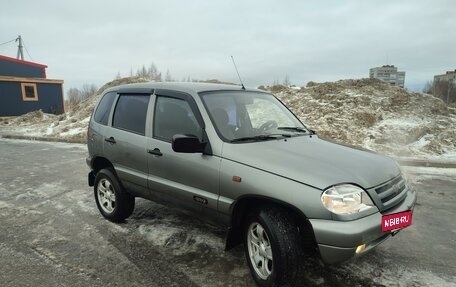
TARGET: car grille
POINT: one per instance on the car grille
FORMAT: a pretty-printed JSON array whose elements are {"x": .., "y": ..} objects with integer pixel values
[{"x": 391, "y": 193}]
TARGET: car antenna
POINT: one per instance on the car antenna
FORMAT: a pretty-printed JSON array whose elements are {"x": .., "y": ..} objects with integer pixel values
[{"x": 234, "y": 63}]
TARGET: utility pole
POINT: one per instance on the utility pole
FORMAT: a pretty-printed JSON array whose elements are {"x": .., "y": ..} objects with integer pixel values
[{"x": 20, "y": 48}]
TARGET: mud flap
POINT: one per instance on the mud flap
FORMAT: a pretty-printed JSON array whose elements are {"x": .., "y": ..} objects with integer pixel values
[
  {"x": 91, "y": 178},
  {"x": 233, "y": 238}
]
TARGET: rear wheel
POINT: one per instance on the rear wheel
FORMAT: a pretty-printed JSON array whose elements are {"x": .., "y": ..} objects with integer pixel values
[
  {"x": 114, "y": 203},
  {"x": 272, "y": 247}
]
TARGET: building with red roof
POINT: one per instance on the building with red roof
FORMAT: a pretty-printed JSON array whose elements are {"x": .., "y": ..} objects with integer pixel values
[{"x": 24, "y": 88}]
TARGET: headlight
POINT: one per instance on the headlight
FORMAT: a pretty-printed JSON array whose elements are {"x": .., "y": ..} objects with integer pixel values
[{"x": 346, "y": 199}]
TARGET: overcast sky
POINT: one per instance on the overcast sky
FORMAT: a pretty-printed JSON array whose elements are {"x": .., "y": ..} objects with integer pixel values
[{"x": 91, "y": 41}]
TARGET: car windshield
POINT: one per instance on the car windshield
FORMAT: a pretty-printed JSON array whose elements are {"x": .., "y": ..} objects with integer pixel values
[{"x": 241, "y": 116}]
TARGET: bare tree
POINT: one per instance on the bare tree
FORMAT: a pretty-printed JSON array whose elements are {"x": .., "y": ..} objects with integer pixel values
[
  {"x": 87, "y": 91},
  {"x": 428, "y": 87},
  {"x": 73, "y": 96},
  {"x": 143, "y": 73},
  {"x": 286, "y": 81},
  {"x": 158, "y": 77},
  {"x": 168, "y": 77},
  {"x": 153, "y": 72}
]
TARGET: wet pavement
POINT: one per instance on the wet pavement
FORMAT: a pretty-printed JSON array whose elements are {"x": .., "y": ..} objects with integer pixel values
[{"x": 51, "y": 234}]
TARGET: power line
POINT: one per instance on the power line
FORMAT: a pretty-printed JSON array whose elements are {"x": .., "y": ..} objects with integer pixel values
[
  {"x": 27, "y": 50},
  {"x": 7, "y": 42}
]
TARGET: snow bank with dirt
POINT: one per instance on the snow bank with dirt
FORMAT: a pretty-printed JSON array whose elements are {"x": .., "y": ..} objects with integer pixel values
[
  {"x": 374, "y": 115},
  {"x": 366, "y": 112}
]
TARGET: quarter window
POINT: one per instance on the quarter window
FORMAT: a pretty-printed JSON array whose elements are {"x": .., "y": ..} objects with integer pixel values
[
  {"x": 29, "y": 92},
  {"x": 174, "y": 116},
  {"x": 104, "y": 108},
  {"x": 130, "y": 113}
]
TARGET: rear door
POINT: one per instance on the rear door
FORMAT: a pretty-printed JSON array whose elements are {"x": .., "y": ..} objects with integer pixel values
[
  {"x": 98, "y": 124},
  {"x": 187, "y": 180},
  {"x": 125, "y": 141}
]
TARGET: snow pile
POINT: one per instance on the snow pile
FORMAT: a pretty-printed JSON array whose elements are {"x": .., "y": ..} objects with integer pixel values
[
  {"x": 372, "y": 114},
  {"x": 365, "y": 112}
]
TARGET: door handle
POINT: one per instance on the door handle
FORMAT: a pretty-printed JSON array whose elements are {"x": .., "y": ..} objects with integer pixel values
[
  {"x": 111, "y": 140},
  {"x": 155, "y": 151}
]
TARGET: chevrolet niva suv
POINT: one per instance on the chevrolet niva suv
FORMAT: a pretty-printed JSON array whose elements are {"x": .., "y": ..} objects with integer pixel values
[{"x": 240, "y": 158}]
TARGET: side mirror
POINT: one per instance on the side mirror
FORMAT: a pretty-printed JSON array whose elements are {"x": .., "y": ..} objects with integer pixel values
[{"x": 187, "y": 144}]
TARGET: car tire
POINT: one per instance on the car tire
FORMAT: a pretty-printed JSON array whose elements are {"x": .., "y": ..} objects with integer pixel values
[
  {"x": 272, "y": 247},
  {"x": 113, "y": 202}
]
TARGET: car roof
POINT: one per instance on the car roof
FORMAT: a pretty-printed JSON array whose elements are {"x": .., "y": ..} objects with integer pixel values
[{"x": 186, "y": 87}]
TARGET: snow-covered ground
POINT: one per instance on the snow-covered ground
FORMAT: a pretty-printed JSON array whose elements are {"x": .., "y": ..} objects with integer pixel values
[
  {"x": 53, "y": 235},
  {"x": 416, "y": 174}
]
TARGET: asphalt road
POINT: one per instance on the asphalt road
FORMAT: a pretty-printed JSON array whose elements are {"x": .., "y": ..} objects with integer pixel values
[{"x": 51, "y": 234}]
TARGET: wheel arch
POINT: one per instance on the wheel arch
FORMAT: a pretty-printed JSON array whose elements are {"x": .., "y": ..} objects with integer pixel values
[
  {"x": 99, "y": 163},
  {"x": 243, "y": 205}
]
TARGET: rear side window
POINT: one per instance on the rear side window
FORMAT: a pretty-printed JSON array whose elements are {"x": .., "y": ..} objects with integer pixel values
[
  {"x": 130, "y": 113},
  {"x": 101, "y": 115}
]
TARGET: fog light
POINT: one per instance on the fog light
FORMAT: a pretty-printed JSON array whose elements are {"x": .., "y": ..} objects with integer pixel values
[{"x": 360, "y": 248}]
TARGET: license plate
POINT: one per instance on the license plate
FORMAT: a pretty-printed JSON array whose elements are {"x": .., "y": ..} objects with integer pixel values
[{"x": 396, "y": 220}]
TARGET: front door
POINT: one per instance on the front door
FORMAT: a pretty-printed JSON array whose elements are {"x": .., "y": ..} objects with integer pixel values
[{"x": 189, "y": 180}]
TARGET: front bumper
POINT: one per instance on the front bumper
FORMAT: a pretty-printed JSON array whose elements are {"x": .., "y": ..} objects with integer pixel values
[{"x": 338, "y": 240}]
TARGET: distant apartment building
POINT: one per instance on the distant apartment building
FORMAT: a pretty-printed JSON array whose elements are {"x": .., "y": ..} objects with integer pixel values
[
  {"x": 444, "y": 86},
  {"x": 448, "y": 76},
  {"x": 389, "y": 74}
]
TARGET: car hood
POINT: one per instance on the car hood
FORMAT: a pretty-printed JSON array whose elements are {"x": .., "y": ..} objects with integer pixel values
[{"x": 315, "y": 162}]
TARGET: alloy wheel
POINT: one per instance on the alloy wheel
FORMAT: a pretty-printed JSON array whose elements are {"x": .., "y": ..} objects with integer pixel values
[
  {"x": 260, "y": 250},
  {"x": 106, "y": 196}
]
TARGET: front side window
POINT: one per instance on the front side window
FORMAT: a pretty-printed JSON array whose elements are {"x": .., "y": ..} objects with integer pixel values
[
  {"x": 101, "y": 115},
  {"x": 29, "y": 92},
  {"x": 239, "y": 116},
  {"x": 174, "y": 116},
  {"x": 130, "y": 113}
]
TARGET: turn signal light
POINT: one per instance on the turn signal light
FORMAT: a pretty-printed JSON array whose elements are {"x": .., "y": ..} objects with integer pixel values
[{"x": 360, "y": 248}]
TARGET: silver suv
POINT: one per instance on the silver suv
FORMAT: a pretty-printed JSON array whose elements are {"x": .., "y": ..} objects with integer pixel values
[{"x": 242, "y": 159}]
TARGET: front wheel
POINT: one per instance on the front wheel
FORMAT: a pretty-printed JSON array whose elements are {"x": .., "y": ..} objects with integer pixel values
[
  {"x": 114, "y": 203},
  {"x": 272, "y": 247}
]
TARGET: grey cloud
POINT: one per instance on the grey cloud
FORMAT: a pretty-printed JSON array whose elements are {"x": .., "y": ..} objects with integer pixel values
[{"x": 90, "y": 41}]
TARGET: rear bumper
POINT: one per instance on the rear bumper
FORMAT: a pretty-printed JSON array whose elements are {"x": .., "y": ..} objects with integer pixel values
[
  {"x": 338, "y": 240},
  {"x": 89, "y": 161}
]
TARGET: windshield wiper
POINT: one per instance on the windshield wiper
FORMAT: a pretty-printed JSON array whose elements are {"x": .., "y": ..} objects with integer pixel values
[
  {"x": 260, "y": 137},
  {"x": 296, "y": 129}
]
